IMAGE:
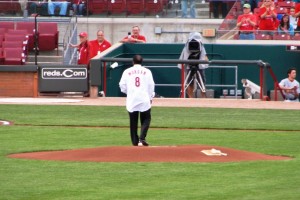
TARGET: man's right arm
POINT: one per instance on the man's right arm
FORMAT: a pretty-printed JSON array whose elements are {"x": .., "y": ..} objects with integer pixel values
[{"x": 122, "y": 83}]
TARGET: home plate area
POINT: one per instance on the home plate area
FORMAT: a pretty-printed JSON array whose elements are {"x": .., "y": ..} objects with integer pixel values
[{"x": 185, "y": 153}]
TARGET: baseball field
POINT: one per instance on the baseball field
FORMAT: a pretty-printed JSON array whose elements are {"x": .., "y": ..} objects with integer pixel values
[{"x": 38, "y": 128}]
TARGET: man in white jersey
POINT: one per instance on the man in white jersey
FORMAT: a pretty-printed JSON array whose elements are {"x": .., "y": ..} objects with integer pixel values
[
  {"x": 290, "y": 86},
  {"x": 137, "y": 82}
]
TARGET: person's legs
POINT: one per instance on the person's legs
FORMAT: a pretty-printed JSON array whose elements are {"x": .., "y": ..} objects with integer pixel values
[
  {"x": 133, "y": 117},
  {"x": 80, "y": 9},
  {"x": 192, "y": 8},
  {"x": 243, "y": 37},
  {"x": 203, "y": 76},
  {"x": 51, "y": 8},
  {"x": 190, "y": 81},
  {"x": 75, "y": 9},
  {"x": 224, "y": 9},
  {"x": 216, "y": 8},
  {"x": 63, "y": 8},
  {"x": 145, "y": 123},
  {"x": 32, "y": 8},
  {"x": 184, "y": 8},
  {"x": 201, "y": 73},
  {"x": 251, "y": 36}
]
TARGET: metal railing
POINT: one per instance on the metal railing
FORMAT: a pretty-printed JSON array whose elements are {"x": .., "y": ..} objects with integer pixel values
[
  {"x": 70, "y": 36},
  {"x": 263, "y": 66}
]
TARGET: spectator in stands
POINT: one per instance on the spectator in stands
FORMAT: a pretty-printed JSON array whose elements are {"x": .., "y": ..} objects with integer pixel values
[
  {"x": 61, "y": 4},
  {"x": 134, "y": 36},
  {"x": 33, "y": 7},
  {"x": 293, "y": 18},
  {"x": 297, "y": 14},
  {"x": 216, "y": 4},
  {"x": 268, "y": 17},
  {"x": 83, "y": 49},
  {"x": 99, "y": 45},
  {"x": 184, "y": 7},
  {"x": 79, "y": 7},
  {"x": 290, "y": 86},
  {"x": 246, "y": 23},
  {"x": 285, "y": 27}
]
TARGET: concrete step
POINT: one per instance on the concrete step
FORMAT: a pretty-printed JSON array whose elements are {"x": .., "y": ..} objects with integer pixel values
[
  {"x": 44, "y": 58},
  {"x": 201, "y": 13}
]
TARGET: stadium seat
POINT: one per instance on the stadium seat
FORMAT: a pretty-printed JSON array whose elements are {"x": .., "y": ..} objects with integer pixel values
[
  {"x": 1, "y": 40},
  {"x": 154, "y": 6},
  {"x": 281, "y": 37},
  {"x": 296, "y": 37},
  {"x": 116, "y": 6},
  {"x": 13, "y": 56},
  {"x": 48, "y": 36},
  {"x": 7, "y": 25},
  {"x": 1, "y": 57},
  {"x": 18, "y": 38},
  {"x": 12, "y": 44},
  {"x": 16, "y": 32},
  {"x": 261, "y": 36},
  {"x": 135, "y": 6},
  {"x": 286, "y": 4},
  {"x": 11, "y": 6},
  {"x": 97, "y": 6},
  {"x": 2, "y": 31},
  {"x": 281, "y": 10},
  {"x": 30, "y": 28},
  {"x": 11, "y": 37},
  {"x": 236, "y": 36}
]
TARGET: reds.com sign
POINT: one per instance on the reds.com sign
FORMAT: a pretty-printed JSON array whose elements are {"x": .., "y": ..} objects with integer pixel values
[
  {"x": 59, "y": 78},
  {"x": 64, "y": 73}
]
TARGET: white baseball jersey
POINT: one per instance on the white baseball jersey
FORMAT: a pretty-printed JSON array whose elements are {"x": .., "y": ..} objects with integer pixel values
[{"x": 137, "y": 82}]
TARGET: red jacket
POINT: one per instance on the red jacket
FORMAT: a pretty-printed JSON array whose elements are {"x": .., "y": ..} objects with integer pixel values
[{"x": 84, "y": 53}]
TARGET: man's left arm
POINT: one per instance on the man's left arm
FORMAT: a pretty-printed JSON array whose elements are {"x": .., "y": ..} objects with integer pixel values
[{"x": 151, "y": 85}]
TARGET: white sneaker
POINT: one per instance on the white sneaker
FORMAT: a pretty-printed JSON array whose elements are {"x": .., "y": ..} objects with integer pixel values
[{"x": 140, "y": 144}]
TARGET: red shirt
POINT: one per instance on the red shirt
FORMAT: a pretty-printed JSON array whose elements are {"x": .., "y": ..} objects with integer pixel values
[
  {"x": 83, "y": 57},
  {"x": 297, "y": 9},
  {"x": 139, "y": 37},
  {"x": 267, "y": 23},
  {"x": 96, "y": 47},
  {"x": 246, "y": 26}
]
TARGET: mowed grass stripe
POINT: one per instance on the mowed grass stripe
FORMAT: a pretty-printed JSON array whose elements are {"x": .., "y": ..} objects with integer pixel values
[
  {"x": 35, "y": 180},
  {"x": 211, "y": 118}
]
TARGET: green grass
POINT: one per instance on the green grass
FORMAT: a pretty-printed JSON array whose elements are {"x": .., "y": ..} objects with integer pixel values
[{"x": 37, "y": 128}]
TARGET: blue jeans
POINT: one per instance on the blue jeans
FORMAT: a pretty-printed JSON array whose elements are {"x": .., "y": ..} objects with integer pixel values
[
  {"x": 250, "y": 36},
  {"x": 78, "y": 9},
  {"x": 184, "y": 6},
  {"x": 63, "y": 6}
]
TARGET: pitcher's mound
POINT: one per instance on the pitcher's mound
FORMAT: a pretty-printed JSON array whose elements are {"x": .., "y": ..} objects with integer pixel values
[{"x": 190, "y": 153}]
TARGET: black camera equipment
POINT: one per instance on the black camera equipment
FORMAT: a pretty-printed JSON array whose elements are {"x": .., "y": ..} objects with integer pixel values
[{"x": 194, "y": 76}]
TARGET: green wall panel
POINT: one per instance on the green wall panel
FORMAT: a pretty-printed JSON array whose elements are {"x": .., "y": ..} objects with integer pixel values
[{"x": 276, "y": 55}]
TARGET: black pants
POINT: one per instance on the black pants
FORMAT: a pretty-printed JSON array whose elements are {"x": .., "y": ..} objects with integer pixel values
[{"x": 145, "y": 118}]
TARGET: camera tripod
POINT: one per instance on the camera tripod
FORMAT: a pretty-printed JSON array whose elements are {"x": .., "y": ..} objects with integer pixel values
[{"x": 194, "y": 77}]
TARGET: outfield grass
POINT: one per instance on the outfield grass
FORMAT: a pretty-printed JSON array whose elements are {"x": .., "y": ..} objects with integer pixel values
[{"x": 37, "y": 128}]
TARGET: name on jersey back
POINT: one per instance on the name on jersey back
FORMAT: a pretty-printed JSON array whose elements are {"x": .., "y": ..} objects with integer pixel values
[{"x": 135, "y": 71}]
